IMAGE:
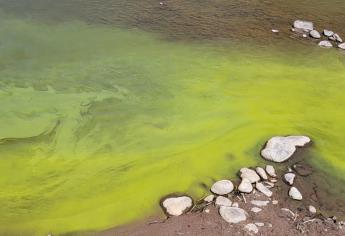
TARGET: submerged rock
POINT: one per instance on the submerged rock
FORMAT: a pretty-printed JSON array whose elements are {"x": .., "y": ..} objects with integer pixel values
[
  {"x": 263, "y": 189},
  {"x": 303, "y": 169},
  {"x": 251, "y": 228},
  {"x": 305, "y": 26},
  {"x": 223, "y": 201},
  {"x": 222, "y": 187},
  {"x": 209, "y": 198},
  {"x": 176, "y": 206},
  {"x": 245, "y": 186},
  {"x": 325, "y": 44},
  {"x": 271, "y": 171},
  {"x": 328, "y": 33},
  {"x": 295, "y": 194},
  {"x": 262, "y": 173},
  {"x": 249, "y": 174},
  {"x": 233, "y": 214},
  {"x": 315, "y": 34},
  {"x": 279, "y": 149},
  {"x": 289, "y": 178}
]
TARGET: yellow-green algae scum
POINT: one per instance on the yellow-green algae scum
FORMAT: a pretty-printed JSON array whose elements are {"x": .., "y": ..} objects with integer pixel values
[{"x": 97, "y": 123}]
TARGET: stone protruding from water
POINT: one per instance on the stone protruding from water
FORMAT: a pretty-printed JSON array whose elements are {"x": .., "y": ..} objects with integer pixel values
[
  {"x": 261, "y": 172},
  {"x": 249, "y": 174},
  {"x": 222, "y": 187},
  {"x": 233, "y": 214},
  {"x": 315, "y": 34},
  {"x": 209, "y": 198},
  {"x": 271, "y": 171},
  {"x": 223, "y": 201},
  {"x": 302, "y": 25},
  {"x": 328, "y": 33},
  {"x": 279, "y": 149},
  {"x": 245, "y": 186},
  {"x": 289, "y": 178},
  {"x": 295, "y": 194},
  {"x": 325, "y": 44},
  {"x": 341, "y": 46},
  {"x": 263, "y": 189},
  {"x": 176, "y": 206}
]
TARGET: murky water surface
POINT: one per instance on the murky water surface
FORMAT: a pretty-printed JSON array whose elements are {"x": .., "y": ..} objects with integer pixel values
[{"x": 108, "y": 105}]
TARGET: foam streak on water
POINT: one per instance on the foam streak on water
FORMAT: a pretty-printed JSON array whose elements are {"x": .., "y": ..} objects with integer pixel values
[{"x": 97, "y": 123}]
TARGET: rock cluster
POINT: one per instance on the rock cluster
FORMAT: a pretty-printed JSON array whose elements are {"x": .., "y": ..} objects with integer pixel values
[{"x": 306, "y": 28}]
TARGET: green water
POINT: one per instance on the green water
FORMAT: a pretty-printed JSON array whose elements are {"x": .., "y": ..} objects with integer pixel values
[{"x": 97, "y": 123}]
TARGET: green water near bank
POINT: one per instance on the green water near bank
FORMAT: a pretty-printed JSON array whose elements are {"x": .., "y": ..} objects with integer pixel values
[{"x": 97, "y": 123}]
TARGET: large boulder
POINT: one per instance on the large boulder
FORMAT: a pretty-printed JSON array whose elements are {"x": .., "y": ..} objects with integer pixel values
[
  {"x": 222, "y": 187},
  {"x": 328, "y": 33},
  {"x": 233, "y": 214},
  {"x": 315, "y": 34},
  {"x": 249, "y": 174},
  {"x": 176, "y": 206},
  {"x": 279, "y": 149},
  {"x": 302, "y": 25}
]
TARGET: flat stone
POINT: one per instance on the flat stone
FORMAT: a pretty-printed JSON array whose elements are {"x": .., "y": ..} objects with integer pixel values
[
  {"x": 312, "y": 209},
  {"x": 315, "y": 34},
  {"x": 256, "y": 209},
  {"x": 289, "y": 178},
  {"x": 328, "y": 33},
  {"x": 260, "y": 224},
  {"x": 295, "y": 194},
  {"x": 325, "y": 44},
  {"x": 274, "y": 202},
  {"x": 259, "y": 203},
  {"x": 249, "y": 174},
  {"x": 209, "y": 198},
  {"x": 279, "y": 149},
  {"x": 233, "y": 214},
  {"x": 176, "y": 206},
  {"x": 263, "y": 189},
  {"x": 222, "y": 187},
  {"x": 251, "y": 228},
  {"x": 245, "y": 186},
  {"x": 303, "y": 25},
  {"x": 223, "y": 201},
  {"x": 261, "y": 172},
  {"x": 342, "y": 46},
  {"x": 271, "y": 171}
]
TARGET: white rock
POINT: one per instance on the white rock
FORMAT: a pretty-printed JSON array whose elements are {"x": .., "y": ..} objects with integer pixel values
[
  {"x": 270, "y": 225},
  {"x": 315, "y": 34},
  {"x": 245, "y": 186},
  {"x": 235, "y": 204},
  {"x": 342, "y": 46},
  {"x": 222, "y": 187},
  {"x": 312, "y": 209},
  {"x": 249, "y": 174},
  {"x": 289, "y": 178},
  {"x": 279, "y": 149},
  {"x": 295, "y": 194},
  {"x": 325, "y": 44},
  {"x": 263, "y": 189},
  {"x": 260, "y": 224},
  {"x": 262, "y": 173},
  {"x": 273, "y": 180},
  {"x": 259, "y": 203},
  {"x": 275, "y": 31},
  {"x": 176, "y": 206},
  {"x": 223, "y": 201},
  {"x": 233, "y": 214},
  {"x": 209, "y": 198},
  {"x": 274, "y": 202},
  {"x": 304, "y": 35},
  {"x": 207, "y": 210},
  {"x": 256, "y": 209},
  {"x": 252, "y": 228},
  {"x": 337, "y": 38},
  {"x": 271, "y": 171},
  {"x": 303, "y": 25},
  {"x": 328, "y": 33}
]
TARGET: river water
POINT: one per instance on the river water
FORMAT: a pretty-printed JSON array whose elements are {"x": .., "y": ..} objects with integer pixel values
[{"x": 108, "y": 105}]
